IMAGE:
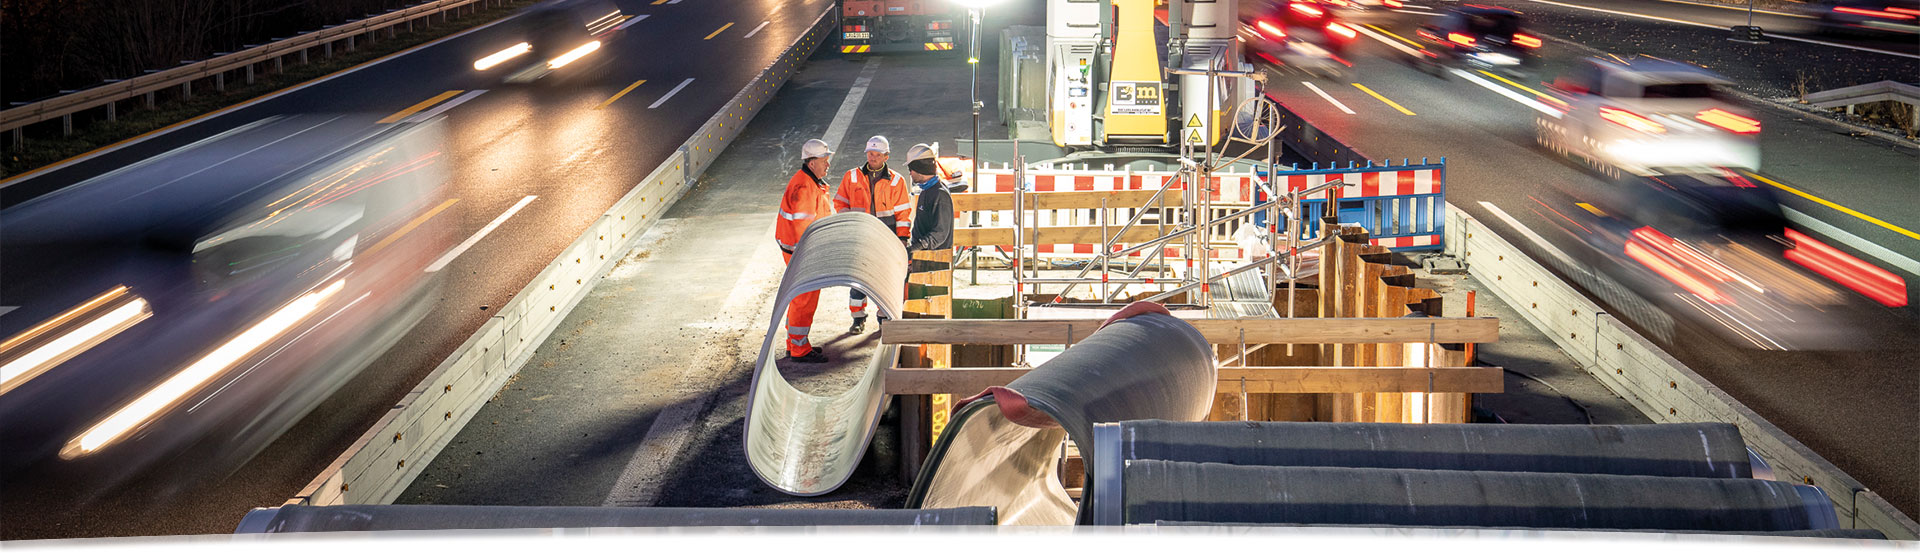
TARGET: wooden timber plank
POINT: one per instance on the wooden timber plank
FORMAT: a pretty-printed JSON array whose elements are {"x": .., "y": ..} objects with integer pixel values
[
  {"x": 1218, "y": 331},
  {"x": 971, "y": 202},
  {"x": 1259, "y": 379},
  {"x": 941, "y": 305},
  {"x": 942, "y": 278}
]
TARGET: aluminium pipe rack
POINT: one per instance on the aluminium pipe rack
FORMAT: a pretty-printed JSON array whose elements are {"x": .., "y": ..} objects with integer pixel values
[{"x": 804, "y": 444}]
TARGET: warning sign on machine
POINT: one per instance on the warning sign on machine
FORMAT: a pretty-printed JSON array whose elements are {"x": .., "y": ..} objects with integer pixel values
[{"x": 1135, "y": 98}]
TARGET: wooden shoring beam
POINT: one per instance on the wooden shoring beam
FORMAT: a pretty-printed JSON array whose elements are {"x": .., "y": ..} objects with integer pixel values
[
  {"x": 1080, "y": 234},
  {"x": 1305, "y": 331},
  {"x": 972, "y": 202},
  {"x": 1258, "y": 379}
]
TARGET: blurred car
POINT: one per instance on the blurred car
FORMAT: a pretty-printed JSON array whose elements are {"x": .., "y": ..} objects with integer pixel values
[
  {"x": 223, "y": 325},
  {"x": 1649, "y": 116},
  {"x": 1714, "y": 247},
  {"x": 1302, "y": 35},
  {"x": 1480, "y": 37},
  {"x": 1889, "y": 18},
  {"x": 552, "y": 37}
]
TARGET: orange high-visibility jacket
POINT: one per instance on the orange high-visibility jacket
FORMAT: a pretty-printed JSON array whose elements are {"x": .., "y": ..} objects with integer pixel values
[
  {"x": 804, "y": 202},
  {"x": 888, "y": 200}
]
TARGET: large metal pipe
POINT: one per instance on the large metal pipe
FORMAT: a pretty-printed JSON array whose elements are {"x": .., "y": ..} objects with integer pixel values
[{"x": 804, "y": 444}]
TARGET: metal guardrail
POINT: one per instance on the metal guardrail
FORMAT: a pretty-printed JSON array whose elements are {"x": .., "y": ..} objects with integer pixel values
[
  {"x": 13, "y": 119},
  {"x": 386, "y": 459},
  {"x": 1870, "y": 92}
]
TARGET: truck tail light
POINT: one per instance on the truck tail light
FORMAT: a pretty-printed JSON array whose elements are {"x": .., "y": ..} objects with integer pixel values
[
  {"x": 853, "y": 28},
  {"x": 1460, "y": 39},
  {"x": 1728, "y": 121},
  {"x": 1307, "y": 10},
  {"x": 1632, "y": 121},
  {"x": 1526, "y": 40},
  {"x": 1271, "y": 31},
  {"x": 1396, "y": 4},
  {"x": 1342, "y": 30}
]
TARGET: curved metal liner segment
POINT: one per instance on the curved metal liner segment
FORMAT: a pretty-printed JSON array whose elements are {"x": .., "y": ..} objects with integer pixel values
[
  {"x": 804, "y": 444},
  {"x": 1000, "y": 449}
]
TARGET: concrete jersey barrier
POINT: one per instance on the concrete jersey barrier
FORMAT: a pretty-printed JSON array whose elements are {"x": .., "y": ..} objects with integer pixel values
[{"x": 386, "y": 458}]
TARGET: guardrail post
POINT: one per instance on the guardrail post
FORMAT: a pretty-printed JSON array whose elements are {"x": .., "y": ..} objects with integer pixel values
[
  {"x": 327, "y": 50},
  {"x": 349, "y": 43},
  {"x": 149, "y": 96},
  {"x": 19, "y": 138},
  {"x": 303, "y": 56},
  {"x": 279, "y": 64},
  {"x": 186, "y": 90},
  {"x": 249, "y": 74},
  {"x": 113, "y": 111},
  {"x": 220, "y": 82},
  {"x": 66, "y": 125}
]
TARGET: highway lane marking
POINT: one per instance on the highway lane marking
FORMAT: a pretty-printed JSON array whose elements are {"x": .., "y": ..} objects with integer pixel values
[
  {"x": 421, "y": 219},
  {"x": 1842, "y": 209},
  {"x": 716, "y": 32},
  {"x": 1323, "y": 94},
  {"x": 1866, "y": 247},
  {"x": 448, "y": 105},
  {"x": 1415, "y": 51},
  {"x": 630, "y": 22},
  {"x": 232, "y": 158},
  {"x": 623, "y": 92},
  {"x": 1697, "y": 24},
  {"x": 5, "y": 309},
  {"x": 676, "y": 89},
  {"x": 1737, "y": 9},
  {"x": 659, "y": 2},
  {"x": 82, "y": 157},
  {"x": 478, "y": 235},
  {"x": 424, "y": 104},
  {"x": 1503, "y": 91},
  {"x": 1530, "y": 235},
  {"x": 1510, "y": 82},
  {"x": 1395, "y": 105},
  {"x": 837, "y": 130},
  {"x": 756, "y": 30}
]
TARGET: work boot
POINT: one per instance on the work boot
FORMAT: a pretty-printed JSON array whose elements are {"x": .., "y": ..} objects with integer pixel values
[
  {"x": 815, "y": 355},
  {"x": 859, "y": 325}
]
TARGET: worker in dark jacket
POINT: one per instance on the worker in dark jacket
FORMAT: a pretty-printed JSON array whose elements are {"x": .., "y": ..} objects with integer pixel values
[{"x": 933, "y": 213}]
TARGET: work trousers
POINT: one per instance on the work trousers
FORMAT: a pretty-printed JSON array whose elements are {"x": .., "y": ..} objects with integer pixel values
[{"x": 800, "y": 319}]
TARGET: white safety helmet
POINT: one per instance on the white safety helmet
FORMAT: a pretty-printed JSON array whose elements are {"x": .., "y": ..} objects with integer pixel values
[
  {"x": 814, "y": 148},
  {"x": 878, "y": 144},
  {"x": 920, "y": 151}
]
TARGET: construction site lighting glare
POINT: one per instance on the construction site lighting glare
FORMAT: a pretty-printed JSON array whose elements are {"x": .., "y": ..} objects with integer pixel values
[
  {"x": 198, "y": 373},
  {"x": 574, "y": 54},
  {"x": 496, "y": 58},
  {"x": 73, "y": 343}
]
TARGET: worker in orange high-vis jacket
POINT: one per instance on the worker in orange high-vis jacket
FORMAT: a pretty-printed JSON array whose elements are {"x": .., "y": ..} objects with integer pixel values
[
  {"x": 874, "y": 189},
  {"x": 804, "y": 202}
]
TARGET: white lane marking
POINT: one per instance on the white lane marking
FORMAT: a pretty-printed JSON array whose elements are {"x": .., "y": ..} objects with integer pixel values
[
  {"x": 1868, "y": 247},
  {"x": 1516, "y": 97},
  {"x": 756, "y": 30},
  {"x": 1739, "y": 9},
  {"x": 630, "y": 22},
  {"x": 837, "y": 130},
  {"x": 477, "y": 236},
  {"x": 234, "y": 157},
  {"x": 444, "y": 106},
  {"x": 676, "y": 89},
  {"x": 646, "y": 473},
  {"x": 5, "y": 309},
  {"x": 276, "y": 94},
  {"x": 1387, "y": 41},
  {"x": 1530, "y": 235},
  {"x": 1323, "y": 94},
  {"x": 1698, "y": 24}
]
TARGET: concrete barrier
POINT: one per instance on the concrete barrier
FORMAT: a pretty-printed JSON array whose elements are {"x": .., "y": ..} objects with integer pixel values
[
  {"x": 385, "y": 459},
  {"x": 1661, "y": 387}
]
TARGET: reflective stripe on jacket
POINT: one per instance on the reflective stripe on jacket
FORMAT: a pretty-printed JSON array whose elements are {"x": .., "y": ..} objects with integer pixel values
[
  {"x": 889, "y": 200},
  {"x": 804, "y": 202}
]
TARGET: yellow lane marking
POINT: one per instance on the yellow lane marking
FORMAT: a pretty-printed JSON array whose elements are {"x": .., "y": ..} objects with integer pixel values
[
  {"x": 1505, "y": 80},
  {"x": 1395, "y": 105},
  {"x": 428, "y": 103},
  {"x": 659, "y": 2},
  {"x": 716, "y": 32},
  {"x": 409, "y": 227},
  {"x": 1400, "y": 38},
  {"x": 1847, "y": 211},
  {"x": 623, "y": 92},
  {"x": 1590, "y": 208}
]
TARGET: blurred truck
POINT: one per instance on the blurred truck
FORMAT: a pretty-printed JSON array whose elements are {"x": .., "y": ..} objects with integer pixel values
[{"x": 875, "y": 26}]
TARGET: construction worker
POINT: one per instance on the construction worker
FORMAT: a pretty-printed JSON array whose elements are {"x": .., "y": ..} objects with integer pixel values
[
  {"x": 874, "y": 189},
  {"x": 933, "y": 215},
  {"x": 804, "y": 202}
]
